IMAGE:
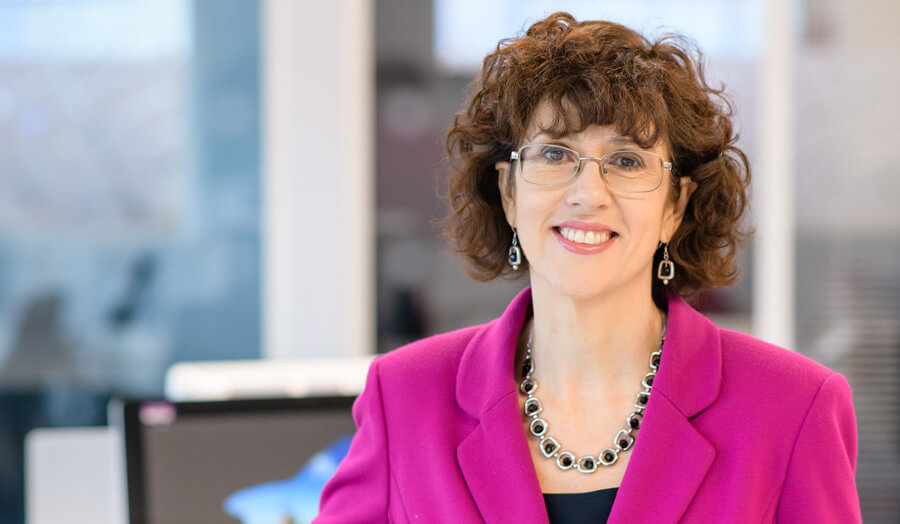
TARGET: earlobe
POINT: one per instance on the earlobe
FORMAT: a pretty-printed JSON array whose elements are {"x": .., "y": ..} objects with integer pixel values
[
  {"x": 506, "y": 192},
  {"x": 677, "y": 209},
  {"x": 688, "y": 187}
]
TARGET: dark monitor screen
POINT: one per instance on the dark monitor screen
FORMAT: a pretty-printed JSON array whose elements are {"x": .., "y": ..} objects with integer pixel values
[{"x": 235, "y": 461}]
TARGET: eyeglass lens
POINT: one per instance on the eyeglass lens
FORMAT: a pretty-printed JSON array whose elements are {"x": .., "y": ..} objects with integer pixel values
[{"x": 633, "y": 171}]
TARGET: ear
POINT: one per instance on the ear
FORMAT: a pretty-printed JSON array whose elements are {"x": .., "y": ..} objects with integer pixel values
[
  {"x": 675, "y": 210},
  {"x": 507, "y": 191}
]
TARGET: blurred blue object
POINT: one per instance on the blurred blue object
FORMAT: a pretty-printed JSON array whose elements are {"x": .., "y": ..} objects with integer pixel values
[{"x": 297, "y": 497}]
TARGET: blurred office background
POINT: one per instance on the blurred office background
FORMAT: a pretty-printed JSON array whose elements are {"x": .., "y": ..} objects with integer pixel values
[{"x": 192, "y": 180}]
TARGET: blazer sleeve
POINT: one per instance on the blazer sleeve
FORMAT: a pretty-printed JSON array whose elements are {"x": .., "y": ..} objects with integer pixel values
[
  {"x": 358, "y": 491},
  {"x": 820, "y": 485}
]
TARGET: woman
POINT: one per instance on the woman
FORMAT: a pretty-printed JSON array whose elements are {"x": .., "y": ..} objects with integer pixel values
[{"x": 601, "y": 165}]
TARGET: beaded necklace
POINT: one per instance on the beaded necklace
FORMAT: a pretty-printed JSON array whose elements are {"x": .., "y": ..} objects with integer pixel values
[{"x": 552, "y": 449}]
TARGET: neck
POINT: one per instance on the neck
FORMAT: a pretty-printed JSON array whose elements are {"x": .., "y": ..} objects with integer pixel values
[{"x": 589, "y": 346}]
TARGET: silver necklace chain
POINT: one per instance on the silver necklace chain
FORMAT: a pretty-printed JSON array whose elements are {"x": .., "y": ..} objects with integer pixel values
[{"x": 551, "y": 448}]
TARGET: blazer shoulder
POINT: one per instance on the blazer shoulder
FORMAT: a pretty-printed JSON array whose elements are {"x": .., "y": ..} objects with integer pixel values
[
  {"x": 745, "y": 355},
  {"x": 430, "y": 358}
]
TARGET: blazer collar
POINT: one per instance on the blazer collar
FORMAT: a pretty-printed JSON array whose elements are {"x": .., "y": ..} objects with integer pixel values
[{"x": 670, "y": 456}]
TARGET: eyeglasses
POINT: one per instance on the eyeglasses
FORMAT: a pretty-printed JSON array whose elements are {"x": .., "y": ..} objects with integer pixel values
[{"x": 553, "y": 165}]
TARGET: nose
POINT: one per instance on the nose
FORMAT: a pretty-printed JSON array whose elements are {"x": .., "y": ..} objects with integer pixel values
[{"x": 589, "y": 189}]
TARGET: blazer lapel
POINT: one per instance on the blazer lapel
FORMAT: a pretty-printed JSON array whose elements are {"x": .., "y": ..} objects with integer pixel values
[
  {"x": 494, "y": 458},
  {"x": 670, "y": 456},
  {"x": 495, "y": 461},
  {"x": 670, "y": 459}
]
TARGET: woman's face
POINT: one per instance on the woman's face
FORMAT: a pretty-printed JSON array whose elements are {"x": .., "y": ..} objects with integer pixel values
[{"x": 637, "y": 221}]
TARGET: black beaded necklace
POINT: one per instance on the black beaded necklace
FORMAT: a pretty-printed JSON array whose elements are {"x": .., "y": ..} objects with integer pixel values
[{"x": 624, "y": 440}]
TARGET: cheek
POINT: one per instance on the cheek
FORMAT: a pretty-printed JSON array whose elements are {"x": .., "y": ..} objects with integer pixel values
[
  {"x": 535, "y": 207},
  {"x": 645, "y": 222},
  {"x": 534, "y": 218}
]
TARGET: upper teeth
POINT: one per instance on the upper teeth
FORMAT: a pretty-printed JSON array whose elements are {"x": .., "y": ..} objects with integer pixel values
[{"x": 585, "y": 237}]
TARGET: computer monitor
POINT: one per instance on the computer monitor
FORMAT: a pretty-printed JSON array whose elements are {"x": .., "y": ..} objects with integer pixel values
[{"x": 234, "y": 461}]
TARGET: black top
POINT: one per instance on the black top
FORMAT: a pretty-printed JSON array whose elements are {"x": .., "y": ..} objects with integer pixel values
[{"x": 569, "y": 508}]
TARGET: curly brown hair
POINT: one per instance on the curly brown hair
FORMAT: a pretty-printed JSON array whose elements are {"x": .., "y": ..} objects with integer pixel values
[{"x": 600, "y": 73}]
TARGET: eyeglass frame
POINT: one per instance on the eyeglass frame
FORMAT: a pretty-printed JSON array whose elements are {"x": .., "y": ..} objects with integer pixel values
[{"x": 515, "y": 155}]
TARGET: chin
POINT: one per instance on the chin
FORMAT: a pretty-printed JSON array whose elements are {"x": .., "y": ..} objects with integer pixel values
[{"x": 579, "y": 288}]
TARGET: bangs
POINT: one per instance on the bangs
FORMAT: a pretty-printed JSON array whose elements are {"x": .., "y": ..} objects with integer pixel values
[{"x": 634, "y": 115}]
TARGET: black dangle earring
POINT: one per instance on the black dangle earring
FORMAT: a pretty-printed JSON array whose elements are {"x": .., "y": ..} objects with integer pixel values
[
  {"x": 515, "y": 254},
  {"x": 666, "y": 270}
]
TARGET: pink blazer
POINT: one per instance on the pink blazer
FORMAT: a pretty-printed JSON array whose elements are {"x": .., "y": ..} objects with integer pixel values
[{"x": 736, "y": 430}]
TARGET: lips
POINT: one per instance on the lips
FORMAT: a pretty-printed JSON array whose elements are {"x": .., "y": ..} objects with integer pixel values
[
  {"x": 586, "y": 237},
  {"x": 584, "y": 242}
]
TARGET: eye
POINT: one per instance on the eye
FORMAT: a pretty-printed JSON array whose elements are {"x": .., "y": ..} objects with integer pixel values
[
  {"x": 626, "y": 161},
  {"x": 555, "y": 154}
]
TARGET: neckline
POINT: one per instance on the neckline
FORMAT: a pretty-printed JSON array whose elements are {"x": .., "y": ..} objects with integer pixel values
[{"x": 595, "y": 492}]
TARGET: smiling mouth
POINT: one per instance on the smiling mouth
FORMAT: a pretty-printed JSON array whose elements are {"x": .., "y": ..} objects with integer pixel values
[{"x": 588, "y": 238}]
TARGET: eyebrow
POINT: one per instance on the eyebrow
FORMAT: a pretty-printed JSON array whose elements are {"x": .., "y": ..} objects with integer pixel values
[
  {"x": 616, "y": 140},
  {"x": 622, "y": 141}
]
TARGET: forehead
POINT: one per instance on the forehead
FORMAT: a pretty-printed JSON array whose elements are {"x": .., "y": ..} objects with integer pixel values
[{"x": 549, "y": 122}]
